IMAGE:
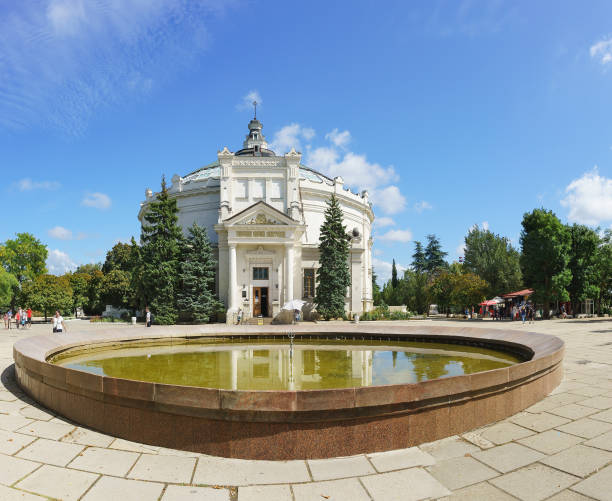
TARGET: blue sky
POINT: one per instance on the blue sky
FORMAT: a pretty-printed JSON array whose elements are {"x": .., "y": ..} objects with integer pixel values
[{"x": 450, "y": 113}]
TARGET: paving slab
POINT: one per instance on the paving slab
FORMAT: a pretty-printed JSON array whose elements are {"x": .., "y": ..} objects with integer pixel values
[
  {"x": 328, "y": 469},
  {"x": 85, "y": 436},
  {"x": 184, "y": 492},
  {"x": 456, "y": 473},
  {"x": 579, "y": 460},
  {"x": 122, "y": 489},
  {"x": 538, "y": 422},
  {"x": 106, "y": 461},
  {"x": 13, "y": 469},
  {"x": 33, "y": 412},
  {"x": 597, "y": 486},
  {"x": 405, "y": 485},
  {"x": 602, "y": 403},
  {"x": 9, "y": 494},
  {"x": 505, "y": 431},
  {"x": 175, "y": 469},
  {"x": 551, "y": 441},
  {"x": 265, "y": 493},
  {"x": 400, "y": 459},
  {"x": 47, "y": 429},
  {"x": 11, "y": 422},
  {"x": 478, "y": 440},
  {"x": 50, "y": 452},
  {"x": 58, "y": 483},
  {"x": 589, "y": 391},
  {"x": 534, "y": 483},
  {"x": 451, "y": 447},
  {"x": 508, "y": 457},
  {"x": 586, "y": 427},
  {"x": 333, "y": 490},
  {"x": 573, "y": 411},
  {"x": 479, "y": 492},
  {"x": 603, "y": 416},
  {"x": 11, "y": 442},
  {"x": 126, "y": 445},
  {"x": 224, "y": 471},
  {"x": 601, "y": 442},
  {"x": 569, "y": 495}
]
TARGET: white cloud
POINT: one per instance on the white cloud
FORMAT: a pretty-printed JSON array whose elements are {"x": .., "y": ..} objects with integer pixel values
[
  {"x": 589, "y": 198},
  {"x": 383, "y": 269},
  {"x": 460, "y": 250},
  {"x": 340, "y": 139},
  {"x": 389, "y": 199},
  {"x": 289, "y": 137},
  {"x": 59, "y": 262},
  {"x": 602, "y": 50},
  {"x": 384, "y": 221},
  {"x": 484, "y": 226},
  {"x": 247, "y": 100},
  {"x": 96, "y": 200},
  {"x": 60, "y": 233},
  {"x": 26, "y": 184},
  {"x": 421, "y": 206},
  {"x": 62, "y": 60},
  {"x": 378, "y": 252},
  {"x": 397, "y": 236}
]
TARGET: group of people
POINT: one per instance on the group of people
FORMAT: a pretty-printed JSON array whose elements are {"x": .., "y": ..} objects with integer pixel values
[{"x": 22, "y": 318}]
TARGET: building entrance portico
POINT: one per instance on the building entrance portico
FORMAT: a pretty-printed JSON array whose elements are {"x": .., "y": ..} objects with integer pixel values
[{"x": 260, "y": 302}]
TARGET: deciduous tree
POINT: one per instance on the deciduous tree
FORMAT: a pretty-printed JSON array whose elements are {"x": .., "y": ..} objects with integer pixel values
[
  {"x": 582, "y": 264},
  {"x": 8, "y": 285},
  {"x": 25, "y": 257},
  {"x": 47, "y": 293}
]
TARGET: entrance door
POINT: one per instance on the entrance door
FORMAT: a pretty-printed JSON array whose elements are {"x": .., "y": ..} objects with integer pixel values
[{"x": 260, "y": 301}]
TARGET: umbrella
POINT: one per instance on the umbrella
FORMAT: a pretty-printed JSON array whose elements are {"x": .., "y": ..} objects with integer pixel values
[
  {"x": 498, "y": 300},
  {"x": 294, "y": 304},
  {"x": 490, "y": 302}
]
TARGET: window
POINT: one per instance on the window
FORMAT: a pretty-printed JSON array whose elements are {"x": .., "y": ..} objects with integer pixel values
[
  {"x": 309, "y": 282},
  {"x": 260, "y": 273}
]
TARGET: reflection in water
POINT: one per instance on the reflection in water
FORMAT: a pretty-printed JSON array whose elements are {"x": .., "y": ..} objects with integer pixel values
[{"x": 274, "y": 365}]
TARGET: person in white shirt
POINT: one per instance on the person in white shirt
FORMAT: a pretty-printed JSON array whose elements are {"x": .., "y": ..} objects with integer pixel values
[
  {"x": 148, "y": 317},
  {"x": 58, "y": 323}
]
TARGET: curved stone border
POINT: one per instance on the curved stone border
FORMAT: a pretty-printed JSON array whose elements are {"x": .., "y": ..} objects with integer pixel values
[{"x": 290, "y": 424}]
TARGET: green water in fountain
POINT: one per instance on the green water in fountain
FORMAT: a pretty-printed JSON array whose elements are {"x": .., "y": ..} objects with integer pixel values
[{"x": 272, "y": 364}]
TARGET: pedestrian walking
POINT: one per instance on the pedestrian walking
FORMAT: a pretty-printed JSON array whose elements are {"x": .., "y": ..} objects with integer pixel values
[
  {"x": 148, "y": 317},
  {"x": 6, "y": 319},
  {"x": 29, "y": 316},
  {"x": 58, "y": 323},
  {"x": 523, "y": 314},
  {"x": 10, "y": 317},
  {"x": 17, "y": 318}
]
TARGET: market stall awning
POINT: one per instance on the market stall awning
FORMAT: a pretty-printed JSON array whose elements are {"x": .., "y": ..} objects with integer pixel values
[
  {"x": 524, "y": 292},
  {"x": 490, "y": 302}
]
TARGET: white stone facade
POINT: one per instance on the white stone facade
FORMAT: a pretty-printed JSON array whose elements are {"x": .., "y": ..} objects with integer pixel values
[{"x": 263, "y": 214}]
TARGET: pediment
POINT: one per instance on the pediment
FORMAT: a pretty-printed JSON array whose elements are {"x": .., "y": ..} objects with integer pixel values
[{"x": 260, "y": 213}]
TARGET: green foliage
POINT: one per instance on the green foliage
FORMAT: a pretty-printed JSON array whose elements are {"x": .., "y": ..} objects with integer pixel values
[
  {"x": 137, "y": 270},
  {"x": 160, "y": 253},
  {"x": 115, "y": 288},
  {"x": 441, "y": 290},
  {"x": 394, "y": 280},
  {"x": 88, "y": 268},
  {"x": 493, "y": 258},
  {"x": 382, "y": 312},
  {"x": 419, "y": 262},
  {"x": 454, "y": 289},
  {"x": 95, "y": 303},
  {"x": 47, "y": 293},
  {"x": 80, "y": 289},
  {"x": 434, "y": 256},
  {"x": 333, "y": 275},
  {"x": 8, "y": 285},
  {"x": 545, "y": 243},
  {"x": 196, "y": 295},
  {"x": 603, "y": 272},
  {"x": 118, "y": 258},
  {"x": 582, "y": 264},
  {"x": 24, "y": 257},
  {"x": 376, "y": 297}
]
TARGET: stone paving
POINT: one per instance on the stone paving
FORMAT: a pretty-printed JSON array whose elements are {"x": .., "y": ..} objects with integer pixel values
[{"x": 559, "y": 449}]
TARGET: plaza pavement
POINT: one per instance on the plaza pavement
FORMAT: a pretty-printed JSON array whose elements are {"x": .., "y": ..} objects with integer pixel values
[{"x": 559, "y": 449}]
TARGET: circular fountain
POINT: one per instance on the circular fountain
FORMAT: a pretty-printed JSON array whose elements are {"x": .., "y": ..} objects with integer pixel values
[{"x": 315, "y": 392}]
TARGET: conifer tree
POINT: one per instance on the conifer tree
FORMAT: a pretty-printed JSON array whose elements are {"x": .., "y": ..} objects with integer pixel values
[
  {"x": 333, "y": 275},
  {"x": 196, "y": 297},
  {"x": 434, "y": 256},
  {"x": 394, "y": 280},
  {"x": 418, "y": 258},
  {"x": 161, "y": 245}
]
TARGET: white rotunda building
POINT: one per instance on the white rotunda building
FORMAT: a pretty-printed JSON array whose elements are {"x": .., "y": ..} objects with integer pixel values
[{"x": 263, "y": 213}]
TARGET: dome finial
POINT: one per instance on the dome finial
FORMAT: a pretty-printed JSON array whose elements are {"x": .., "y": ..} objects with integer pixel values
[{"x": 255, "y": 106}]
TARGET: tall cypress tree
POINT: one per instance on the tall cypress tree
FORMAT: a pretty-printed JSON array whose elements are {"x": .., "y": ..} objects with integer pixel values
[
  {"x": 434, "y": 255},
  {"x": 196, "y": 296},
  {"x": 161, "y": 239},
  {"x": 333, "y": 275},
  {"x": 394, "y": 280},
  {"x": 419, "y": 262}
]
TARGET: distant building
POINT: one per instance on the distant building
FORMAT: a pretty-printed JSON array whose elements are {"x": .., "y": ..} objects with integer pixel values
[{"x": 263, "y": 214}]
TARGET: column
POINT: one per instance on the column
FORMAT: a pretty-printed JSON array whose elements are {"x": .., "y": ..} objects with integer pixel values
[
  {"x": 234, "y": 368},
  {"x": 232, "y": 278},
  {"x": 289, "y": 261}
]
